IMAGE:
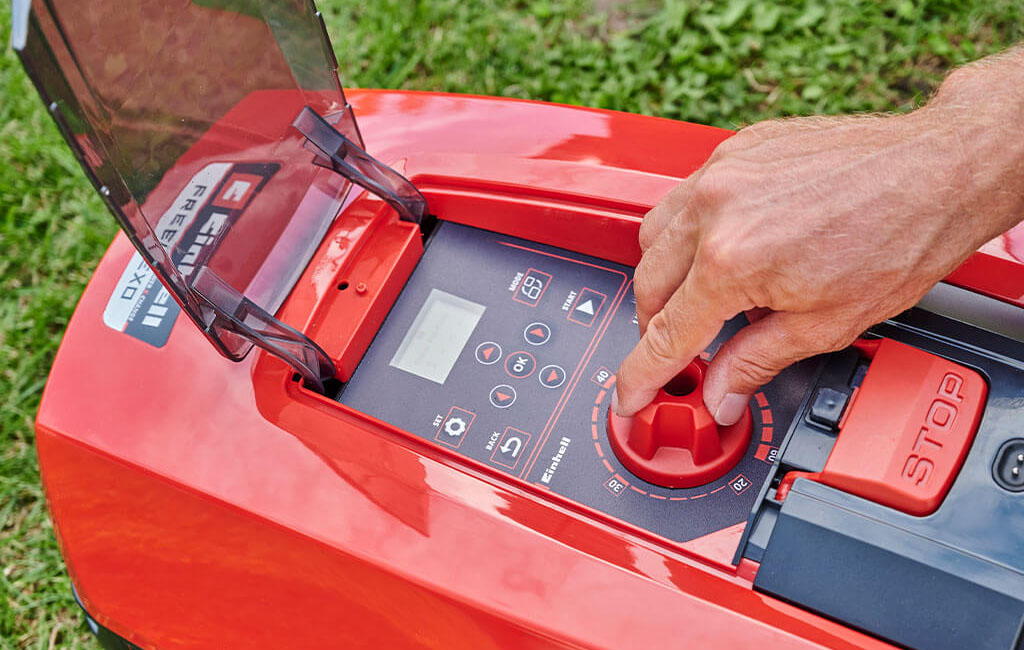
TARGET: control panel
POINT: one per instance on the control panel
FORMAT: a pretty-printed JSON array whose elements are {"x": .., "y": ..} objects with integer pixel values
[
  {"x": 895, "y": 463},
  {"x": 505, "y": 351}
]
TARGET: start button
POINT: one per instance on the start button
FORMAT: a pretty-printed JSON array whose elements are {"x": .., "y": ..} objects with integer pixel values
[{"x": 907, "y": 430}]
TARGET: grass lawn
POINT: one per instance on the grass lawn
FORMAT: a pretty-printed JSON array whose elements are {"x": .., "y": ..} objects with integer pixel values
[{"x": 722, "y": 63}]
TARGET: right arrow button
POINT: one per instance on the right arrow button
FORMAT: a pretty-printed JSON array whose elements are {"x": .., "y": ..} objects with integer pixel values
[{"x": 552, "y": 376}]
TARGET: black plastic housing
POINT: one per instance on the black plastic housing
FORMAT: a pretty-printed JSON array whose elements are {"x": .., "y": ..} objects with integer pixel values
[{"x": 947, "y": 581}]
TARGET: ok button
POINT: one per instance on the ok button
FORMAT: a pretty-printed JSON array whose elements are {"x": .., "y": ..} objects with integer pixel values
[{"x": 520, "y": 364}]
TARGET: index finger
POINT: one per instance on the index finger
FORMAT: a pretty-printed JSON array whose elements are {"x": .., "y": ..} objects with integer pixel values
[
  {"x": 661, "y": 215},
  {"x": 686, "y": 325}
]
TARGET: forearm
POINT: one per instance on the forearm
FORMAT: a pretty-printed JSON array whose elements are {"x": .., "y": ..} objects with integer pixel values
[
  {"x": 982, "y": 105},
  {"x": 829, "y": 225}
]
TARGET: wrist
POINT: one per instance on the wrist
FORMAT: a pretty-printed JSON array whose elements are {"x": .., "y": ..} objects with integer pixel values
[{"x": 980, "y": 108}]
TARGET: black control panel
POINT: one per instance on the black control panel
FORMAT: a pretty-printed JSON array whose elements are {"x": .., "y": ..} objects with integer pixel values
[{"x": 505, "y": 351}]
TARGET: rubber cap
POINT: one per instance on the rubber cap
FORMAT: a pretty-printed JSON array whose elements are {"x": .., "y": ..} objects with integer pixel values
[
  {"x": 908, "y": 429},
  {"x": 674, "y": 441}
]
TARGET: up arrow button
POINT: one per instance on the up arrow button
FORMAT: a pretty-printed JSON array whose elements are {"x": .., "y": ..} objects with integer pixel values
[{"x": 537, "y": 333}]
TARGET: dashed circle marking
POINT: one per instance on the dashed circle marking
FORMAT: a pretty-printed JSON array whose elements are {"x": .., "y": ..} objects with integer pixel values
[{"x": 766, "y": 418}]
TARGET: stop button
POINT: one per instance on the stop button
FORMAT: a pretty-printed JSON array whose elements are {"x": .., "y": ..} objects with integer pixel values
[{"x": 908, "y": 429}]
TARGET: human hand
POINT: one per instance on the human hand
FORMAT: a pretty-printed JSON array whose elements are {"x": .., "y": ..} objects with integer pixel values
[{"x": 818, "y": 228}]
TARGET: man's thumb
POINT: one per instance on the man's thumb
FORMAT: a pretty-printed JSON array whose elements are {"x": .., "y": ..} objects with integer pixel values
[{"x": 753, "y": 357}]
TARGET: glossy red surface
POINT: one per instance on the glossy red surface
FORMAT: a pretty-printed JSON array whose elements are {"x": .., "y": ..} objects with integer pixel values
[{"x": 213, "y": 504}]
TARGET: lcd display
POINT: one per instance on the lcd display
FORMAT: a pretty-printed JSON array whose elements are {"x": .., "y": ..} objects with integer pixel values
[{"x": 437, "y": 336}]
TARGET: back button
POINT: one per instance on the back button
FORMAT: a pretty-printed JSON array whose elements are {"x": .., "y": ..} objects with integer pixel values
[{"x": 503, "y": 396}]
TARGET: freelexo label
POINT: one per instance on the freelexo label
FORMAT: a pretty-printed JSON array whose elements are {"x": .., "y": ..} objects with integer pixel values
[
  {"x": 204, "y": 209},
  {"x": 140, "y": 306}
]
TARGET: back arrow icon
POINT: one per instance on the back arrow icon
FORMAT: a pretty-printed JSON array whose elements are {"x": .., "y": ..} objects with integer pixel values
[{"x": 505, "y": 446}]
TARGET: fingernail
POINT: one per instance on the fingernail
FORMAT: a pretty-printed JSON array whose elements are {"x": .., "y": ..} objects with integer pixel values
[
  {"x": 619, "y": 422},
  {"x": 731, "y": 409}
]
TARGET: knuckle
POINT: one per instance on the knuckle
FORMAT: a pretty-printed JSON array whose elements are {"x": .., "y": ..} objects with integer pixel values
[
  {"x": 956, "y": 83},
  {"x": 643, "y": 288},
  {"x": 647, "y": 231},
  {"x": 746, "y": 137},
  {"x": 624, "y": 378},
  {"x": 661, "y": 340},
  {"x": 712, "y": 185},
  {"x": 719, "y": 253},
  {"x": 754, "y": 369}
]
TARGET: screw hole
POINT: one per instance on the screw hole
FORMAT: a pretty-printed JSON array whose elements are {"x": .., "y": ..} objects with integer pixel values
[
  {"x": 685, "y": 382},
  {"x": 343, "y": 286}
]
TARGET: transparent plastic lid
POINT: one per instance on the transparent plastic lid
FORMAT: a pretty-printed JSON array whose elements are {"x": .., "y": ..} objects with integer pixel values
[{"x": 186, "y": 115}]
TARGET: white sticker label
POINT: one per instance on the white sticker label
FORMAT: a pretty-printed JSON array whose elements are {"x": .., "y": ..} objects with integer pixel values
[{"x": 140, "y": 305}]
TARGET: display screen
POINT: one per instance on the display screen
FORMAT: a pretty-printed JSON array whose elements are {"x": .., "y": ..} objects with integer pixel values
[{"x": 437, "y": 336}]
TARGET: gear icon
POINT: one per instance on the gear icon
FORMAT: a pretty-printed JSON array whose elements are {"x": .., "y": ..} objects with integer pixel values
[{"x": 455, "y": 426}]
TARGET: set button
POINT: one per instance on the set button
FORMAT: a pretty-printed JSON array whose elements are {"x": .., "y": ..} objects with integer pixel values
[
  {"x": 537, "y": 333},
  {"x": 455, "y": 426},
  {"x": 488, "y": 352},
  {"x": 520, "y": 365}
]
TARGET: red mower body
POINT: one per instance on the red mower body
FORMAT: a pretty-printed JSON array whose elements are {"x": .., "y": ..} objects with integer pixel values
[{"x": 202, "y": 503}]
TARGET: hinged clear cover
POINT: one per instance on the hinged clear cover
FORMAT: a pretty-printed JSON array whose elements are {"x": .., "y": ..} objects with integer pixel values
[{"x": 181, "y": 113}]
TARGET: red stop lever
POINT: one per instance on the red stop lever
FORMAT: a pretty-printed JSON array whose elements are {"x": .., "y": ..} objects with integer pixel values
[
  {"x": 674, "y": 441},
  {"x": 907, "y": 430}
]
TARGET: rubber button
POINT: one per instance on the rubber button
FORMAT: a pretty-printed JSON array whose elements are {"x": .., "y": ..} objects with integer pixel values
[
  {"x": 828, "y": 406},
  {"x": 510, "y": 448}
]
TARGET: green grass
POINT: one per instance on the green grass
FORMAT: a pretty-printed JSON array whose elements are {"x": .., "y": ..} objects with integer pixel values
[{"x": 722, "y": 63}]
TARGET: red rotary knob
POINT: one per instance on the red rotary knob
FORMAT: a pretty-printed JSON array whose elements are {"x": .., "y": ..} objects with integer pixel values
[{"x": 674, "y": 441}]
